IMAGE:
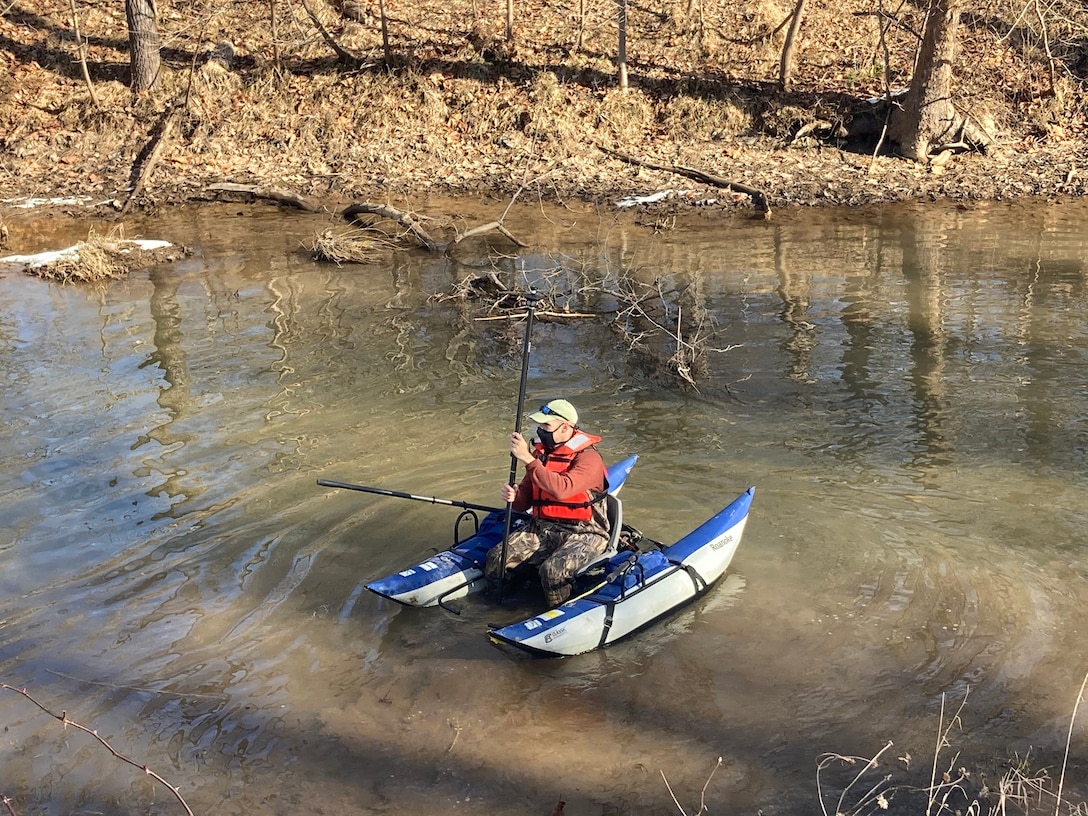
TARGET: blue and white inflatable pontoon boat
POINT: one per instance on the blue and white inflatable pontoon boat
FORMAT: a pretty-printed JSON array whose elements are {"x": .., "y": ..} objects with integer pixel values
[
  {"x": 635, "y": 583},
  {"x": 458, "y": 571}
]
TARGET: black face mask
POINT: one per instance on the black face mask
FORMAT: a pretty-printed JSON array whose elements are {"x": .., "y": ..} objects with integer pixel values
[{"x": 546, "y": 437}]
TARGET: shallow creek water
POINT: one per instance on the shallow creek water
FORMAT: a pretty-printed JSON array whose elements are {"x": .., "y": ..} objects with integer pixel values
[{"x": 907, "y": 389}]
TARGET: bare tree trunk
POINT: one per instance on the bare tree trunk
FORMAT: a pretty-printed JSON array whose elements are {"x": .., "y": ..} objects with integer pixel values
[
  {"x": 785, "y": 66},
  {"x": 509, "y": 20},
  {"x": 144, "y": 44},
  {"x": 621, "y": 49},
  {"x": 275, "y": 37},
  {"x": 579, "y": 42},
  {"x": 387, "y": 49},
  {"x": 928, "y": 115}
]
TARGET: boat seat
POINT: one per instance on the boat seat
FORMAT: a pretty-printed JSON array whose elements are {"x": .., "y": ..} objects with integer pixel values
[{"x": 614, "y": 511}]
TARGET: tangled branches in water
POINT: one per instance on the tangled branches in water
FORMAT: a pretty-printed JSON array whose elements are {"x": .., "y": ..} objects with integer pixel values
[{"x": 666, "y": 324}]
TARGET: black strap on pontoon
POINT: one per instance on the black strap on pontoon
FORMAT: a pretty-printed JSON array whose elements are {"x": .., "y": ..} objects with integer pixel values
[
  {"x": 697, "y": 580},
  {"x": 609, "y": 610},
  {"x": 700, "y": 583}
]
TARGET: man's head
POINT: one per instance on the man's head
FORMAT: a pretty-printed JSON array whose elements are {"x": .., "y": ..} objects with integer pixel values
[{"x": 556, "y": 422}]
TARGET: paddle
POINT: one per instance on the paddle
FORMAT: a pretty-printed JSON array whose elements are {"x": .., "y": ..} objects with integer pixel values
[
  {"x": 397, "y": 494},
  {"x": 531, "y": 299}
]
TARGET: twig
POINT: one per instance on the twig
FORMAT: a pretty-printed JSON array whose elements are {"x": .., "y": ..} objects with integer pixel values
[
  {"x": 1068, "y": 740},
  {"x": 768, "y": 35},
  {"x": 1046, "y": 49},
  {"x": 406, "y": 220},
  {"x": 456, "y": 733},
  {"x": 480, "y": 230},
  {"x": 872, "y": 763},
  {"x": 702, "y": 794},
  {"x": 942, "y": 741},
  {"x": 63, "y": 717},
  {"x": 86, "y": 682},
  {"x": 81, "y": 44},
  {"x": 673, "y": 795}
]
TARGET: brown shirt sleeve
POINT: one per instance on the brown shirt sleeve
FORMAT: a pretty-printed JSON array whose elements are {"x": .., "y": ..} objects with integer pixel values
[{"x": 587, "y": 472}]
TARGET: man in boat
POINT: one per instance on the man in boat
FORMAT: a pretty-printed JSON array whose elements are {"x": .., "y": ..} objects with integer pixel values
[{"x": 563, "y": 489}]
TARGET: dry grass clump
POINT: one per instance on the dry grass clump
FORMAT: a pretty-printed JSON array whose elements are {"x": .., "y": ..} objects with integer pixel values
[
  {"x": 356, "y": 246},
  {"x": 628, "y": 115},
  {"x": 707, "y": 119},
  {"x": 101, "y": 258},
  {"x": 90, "y": 261}
]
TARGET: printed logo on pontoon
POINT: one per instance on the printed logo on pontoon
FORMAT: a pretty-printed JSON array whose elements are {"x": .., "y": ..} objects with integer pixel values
[
  {"x": 548, "y": 638},
  {"x": 721, "y": 542}
]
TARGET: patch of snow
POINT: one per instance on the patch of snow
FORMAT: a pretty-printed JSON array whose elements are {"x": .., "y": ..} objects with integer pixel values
[
  {"x": 652, "y": 198},
  {"x": 632, "y": 201},
  {"x": 31, "y": 203},
  {"x": 41, "y": 259}
]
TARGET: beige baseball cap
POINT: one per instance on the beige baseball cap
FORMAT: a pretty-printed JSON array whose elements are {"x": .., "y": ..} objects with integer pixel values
[{"x": 555, "y": 409}]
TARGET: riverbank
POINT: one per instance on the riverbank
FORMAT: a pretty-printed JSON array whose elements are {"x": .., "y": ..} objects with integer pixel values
[{"x": 457, "y": 110}]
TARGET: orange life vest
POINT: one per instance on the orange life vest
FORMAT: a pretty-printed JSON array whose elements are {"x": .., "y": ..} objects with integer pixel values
[{"x": 558, "y": 460}]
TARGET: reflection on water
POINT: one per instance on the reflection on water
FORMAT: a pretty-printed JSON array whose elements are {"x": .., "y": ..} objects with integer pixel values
[{"x": 907, "y": 388}]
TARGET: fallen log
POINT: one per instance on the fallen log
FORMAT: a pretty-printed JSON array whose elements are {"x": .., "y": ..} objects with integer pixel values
[
  {"x": 759, "y": 199},
  {"x": 271, "y": 193}
]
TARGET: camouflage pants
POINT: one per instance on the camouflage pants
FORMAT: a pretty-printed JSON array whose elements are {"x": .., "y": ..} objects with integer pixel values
[{"x": 558, "y": 551}]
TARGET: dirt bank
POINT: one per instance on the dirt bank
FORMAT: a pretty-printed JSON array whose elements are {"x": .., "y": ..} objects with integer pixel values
[{"x": 459, "y": 110}]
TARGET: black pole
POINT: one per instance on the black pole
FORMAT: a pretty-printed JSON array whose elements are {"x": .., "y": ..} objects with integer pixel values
[
  {"x": 380, "y": 491},
  {"x": 531, "y": 300}
]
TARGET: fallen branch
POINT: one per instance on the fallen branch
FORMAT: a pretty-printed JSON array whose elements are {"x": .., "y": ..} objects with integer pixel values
[
  {"x": 413, "y": 226},
  {"x": 344, "y": 55},
  {"x": 483, "y": 228},
  {"x": 406, "y": 220},
  {"x": 63, "y": 717},
  {"x": 545, "y": 313},
  {"x": 757, "y": 196},
  {"x": 153, "y": 151},
  {"x": 272, "y": 193}
]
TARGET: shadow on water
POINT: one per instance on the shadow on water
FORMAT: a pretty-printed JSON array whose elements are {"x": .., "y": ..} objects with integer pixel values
[{"x": 905, "y": 387}]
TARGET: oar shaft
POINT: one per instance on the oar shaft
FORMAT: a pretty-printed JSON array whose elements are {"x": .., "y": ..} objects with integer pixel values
[
  {"x": 381, "y": 491},
  {"x": 526, "y": 346}
]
